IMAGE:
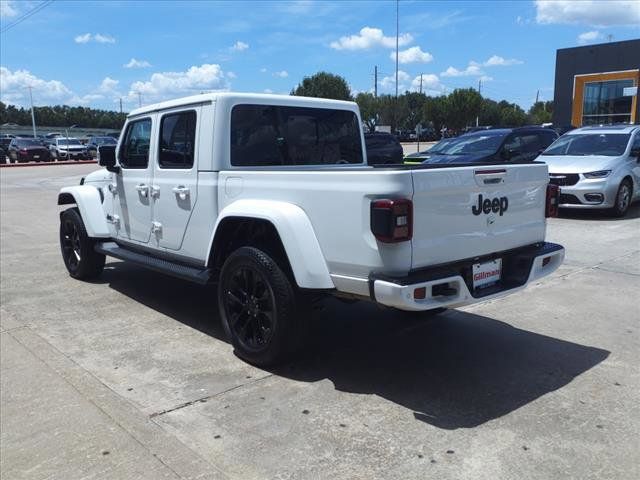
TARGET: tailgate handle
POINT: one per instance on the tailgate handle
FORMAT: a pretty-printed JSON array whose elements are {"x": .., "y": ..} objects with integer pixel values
[{"x": 490, "y": 181}]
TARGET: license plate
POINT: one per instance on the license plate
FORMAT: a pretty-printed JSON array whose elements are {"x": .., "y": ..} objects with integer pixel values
[
  {"x": 487, "y": 273},
  {"x": 36, "y": 156}
]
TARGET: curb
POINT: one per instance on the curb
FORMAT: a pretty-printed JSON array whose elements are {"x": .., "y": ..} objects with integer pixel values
[{"x": 46, "y": 164}]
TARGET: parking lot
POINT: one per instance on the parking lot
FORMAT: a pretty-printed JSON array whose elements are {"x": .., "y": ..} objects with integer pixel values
[{"x": 131, "y": 377}]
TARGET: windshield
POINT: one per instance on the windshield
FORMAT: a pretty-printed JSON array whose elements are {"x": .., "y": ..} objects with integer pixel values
[
  {"x": 71, "y": 141},
  {"x": 474, "y": 144},
  {"x": 104, "y": 140},
  {"x": 607, "y": 144},
  {"x": 28, "y": 143}
]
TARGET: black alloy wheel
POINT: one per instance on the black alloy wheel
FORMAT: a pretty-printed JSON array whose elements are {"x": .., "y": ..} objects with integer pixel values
[
  {"x": 78, "y": 253},
  {"x": 259, "y": 308}
]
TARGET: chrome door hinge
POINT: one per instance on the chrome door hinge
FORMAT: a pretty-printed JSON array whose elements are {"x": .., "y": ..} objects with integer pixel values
[
  {"x": 113, "y": 188},
  {"x": 115, "y": 219},
  {"x": 155, "y": 191},
  {"x": 156, "y": 227}
]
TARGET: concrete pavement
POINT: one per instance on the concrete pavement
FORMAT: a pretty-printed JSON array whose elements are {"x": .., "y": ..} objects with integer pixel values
[{"x": 543, "y": 384}]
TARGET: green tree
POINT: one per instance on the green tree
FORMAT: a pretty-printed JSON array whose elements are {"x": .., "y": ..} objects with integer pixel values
[
  {"x": 463, "y": 106},
  {"x": 323, "y": 85},
  {"x": 541, "y": 112},
  {"x": 368, "y": 105},
  {"x": 434, "y": 112}
]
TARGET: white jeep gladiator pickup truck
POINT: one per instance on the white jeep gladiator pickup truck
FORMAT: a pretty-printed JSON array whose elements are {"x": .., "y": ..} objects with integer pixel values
[{"x": 270, "y": 198}]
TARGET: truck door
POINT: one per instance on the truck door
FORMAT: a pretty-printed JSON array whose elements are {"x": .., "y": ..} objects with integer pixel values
[
  {"x": 131, "y": 202},
  {"x": 175, "y": 177}
]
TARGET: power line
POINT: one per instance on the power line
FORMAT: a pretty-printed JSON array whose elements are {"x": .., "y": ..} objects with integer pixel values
[{"x": 26, "y": 15}]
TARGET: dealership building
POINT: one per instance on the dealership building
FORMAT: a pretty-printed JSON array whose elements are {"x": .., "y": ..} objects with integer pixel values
[{"x": 597, "y": 84}]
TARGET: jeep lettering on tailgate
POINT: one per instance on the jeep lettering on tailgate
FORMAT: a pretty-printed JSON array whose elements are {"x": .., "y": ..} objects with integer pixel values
[{"x": 489, "y": 205}]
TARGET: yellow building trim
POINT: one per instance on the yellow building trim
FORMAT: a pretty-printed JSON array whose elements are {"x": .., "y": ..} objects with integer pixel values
[{"x": 579, "y": 82}]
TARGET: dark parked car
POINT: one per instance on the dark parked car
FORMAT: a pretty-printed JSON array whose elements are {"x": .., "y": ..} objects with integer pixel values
[
  {"x": 382, "y": 148},
  {"x": 95, "y": 142},
  {"x": 498, "y": 145},
  {"x": 27, "y": 150}
]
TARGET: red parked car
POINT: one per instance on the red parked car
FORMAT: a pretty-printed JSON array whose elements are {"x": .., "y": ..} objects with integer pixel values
[{"x": 27, "y": 150}]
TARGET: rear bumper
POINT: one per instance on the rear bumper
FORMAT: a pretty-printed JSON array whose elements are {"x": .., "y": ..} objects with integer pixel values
[{"x": 519, "y": 267}]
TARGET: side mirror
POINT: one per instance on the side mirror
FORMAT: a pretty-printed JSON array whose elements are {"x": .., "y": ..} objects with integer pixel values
[{"x": 107, "y": 158}]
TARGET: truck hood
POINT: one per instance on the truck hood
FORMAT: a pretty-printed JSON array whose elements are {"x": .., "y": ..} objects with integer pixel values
[
  {"x": 577, "y": 163},
  {"x": 98, "y": 176}
]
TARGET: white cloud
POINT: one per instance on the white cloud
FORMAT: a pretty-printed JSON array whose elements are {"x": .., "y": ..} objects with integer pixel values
[
  {"x": 164, "y": 85},
  {"x": 14, "y": 87},
  {"x": 369, "y": 38},
  {"x": 267, "y": 90},
  {"x": 281, "y": 74},
  {"x": 231, "y": 75},
  {"x": 412, "y": 55},
  {"x": 263, "y": 70},
  {"x": 83, "y": 38},
  {"x": 133, "y": 63},
  {"x": 239, "y": 46},
  {"x": 496, "y": 60},
  {"x": 589, "y": 12},
  {"x": 8, "y": 9},
  {"x": 389, "y": 83},
  {"x": 98, "y": 38},
  {"x": 473, "y": 69},
  {"x": 108, "y": 85},
  {"x": 589, "y": 37},
  {"x": 430, "y": 84}
]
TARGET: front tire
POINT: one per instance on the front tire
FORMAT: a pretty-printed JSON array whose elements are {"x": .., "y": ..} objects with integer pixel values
[
  {"x": 80, "y": 258},
  {"x": 258, "y": 307},
  {"x": 623, "y": 199}
]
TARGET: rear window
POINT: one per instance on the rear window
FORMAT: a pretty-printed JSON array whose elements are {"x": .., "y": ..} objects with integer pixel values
[{"x": 268, "y": 135}]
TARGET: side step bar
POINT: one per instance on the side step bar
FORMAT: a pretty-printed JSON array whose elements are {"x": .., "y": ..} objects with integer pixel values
[{"x": 192, "y": 274}]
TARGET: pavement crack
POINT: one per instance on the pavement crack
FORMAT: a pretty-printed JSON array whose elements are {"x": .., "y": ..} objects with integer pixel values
[{"x": 207, "y": 397}]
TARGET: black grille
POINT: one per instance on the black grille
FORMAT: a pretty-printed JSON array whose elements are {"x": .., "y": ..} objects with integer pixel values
[
  {"x": 564, "y": 179},
  {"x": 566, "y": 198}
]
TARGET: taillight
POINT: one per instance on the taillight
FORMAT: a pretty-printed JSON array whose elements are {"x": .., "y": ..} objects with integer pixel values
[
  {"x": 392, "y": 220},
  {"x": 553, "y": 200}
]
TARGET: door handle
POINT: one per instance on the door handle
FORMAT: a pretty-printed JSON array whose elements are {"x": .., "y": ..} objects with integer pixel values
[
  {"x": 142, "y": 189},
  {"x": 181, "y": 191}
]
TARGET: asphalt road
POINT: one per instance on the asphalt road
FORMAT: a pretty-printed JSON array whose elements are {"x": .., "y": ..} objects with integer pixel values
[{"x": 130, "y": 377}]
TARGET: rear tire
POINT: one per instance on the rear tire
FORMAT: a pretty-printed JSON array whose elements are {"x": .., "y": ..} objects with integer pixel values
[
  {"x": 80, "y": 258},
  {"x": 259, "y": 308},
  {"x": 623, "y": 199}
]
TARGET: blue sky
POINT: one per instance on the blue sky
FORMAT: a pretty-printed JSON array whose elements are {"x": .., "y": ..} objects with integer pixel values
[{"x": 94, "y": 53}]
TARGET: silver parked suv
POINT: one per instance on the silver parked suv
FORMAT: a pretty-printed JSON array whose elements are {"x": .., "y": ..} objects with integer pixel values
[{"x": 596, "y": 167}]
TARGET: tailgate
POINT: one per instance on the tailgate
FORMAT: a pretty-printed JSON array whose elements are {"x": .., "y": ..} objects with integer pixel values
[{"x": 468, "y": 211}]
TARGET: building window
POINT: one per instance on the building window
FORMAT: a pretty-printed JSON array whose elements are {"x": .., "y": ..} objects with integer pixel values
[{"x": 605, "y": 102}]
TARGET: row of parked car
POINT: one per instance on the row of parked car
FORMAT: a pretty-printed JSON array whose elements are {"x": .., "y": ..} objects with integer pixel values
[
  {"x": 596, "y": 167},
  {"x": 50, "y": 147}
]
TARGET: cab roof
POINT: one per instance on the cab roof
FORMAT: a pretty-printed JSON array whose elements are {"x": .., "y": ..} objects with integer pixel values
[{"x": 260, "y": 98}]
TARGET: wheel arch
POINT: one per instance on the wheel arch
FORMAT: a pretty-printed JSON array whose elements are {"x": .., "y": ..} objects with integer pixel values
[
  {"x": 89, "y": 202},
  {"x": 280, "y": 228}
]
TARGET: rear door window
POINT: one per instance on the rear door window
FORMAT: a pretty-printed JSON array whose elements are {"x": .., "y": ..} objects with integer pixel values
[
  {"x": 267, "y": 135},
  {"x": 177, "y": 140}
]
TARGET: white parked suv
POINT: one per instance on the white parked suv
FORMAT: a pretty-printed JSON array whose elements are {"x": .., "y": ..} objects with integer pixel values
[
  {"x": 596, "y": 167},
  {"x": 63, "y": 148},
  {"x": 270, "y": 199}
]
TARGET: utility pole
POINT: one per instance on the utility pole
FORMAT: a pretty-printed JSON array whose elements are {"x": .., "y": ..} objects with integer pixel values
[
  {"x": 537, "y": 95},
  {"x": 395, "y": 105},
  {"x": 480, "y": 86},
  {"x": 33, "y": 117},
  {"x": 421, "y": 83},
  {"x": 375, "y": 81},
  {"x": 120, "y": 104}
]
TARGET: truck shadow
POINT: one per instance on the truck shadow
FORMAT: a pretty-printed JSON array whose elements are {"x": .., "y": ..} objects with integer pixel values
[
  {"x": 602, "y": 215},
  {"x": 455, "y": 370}
]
